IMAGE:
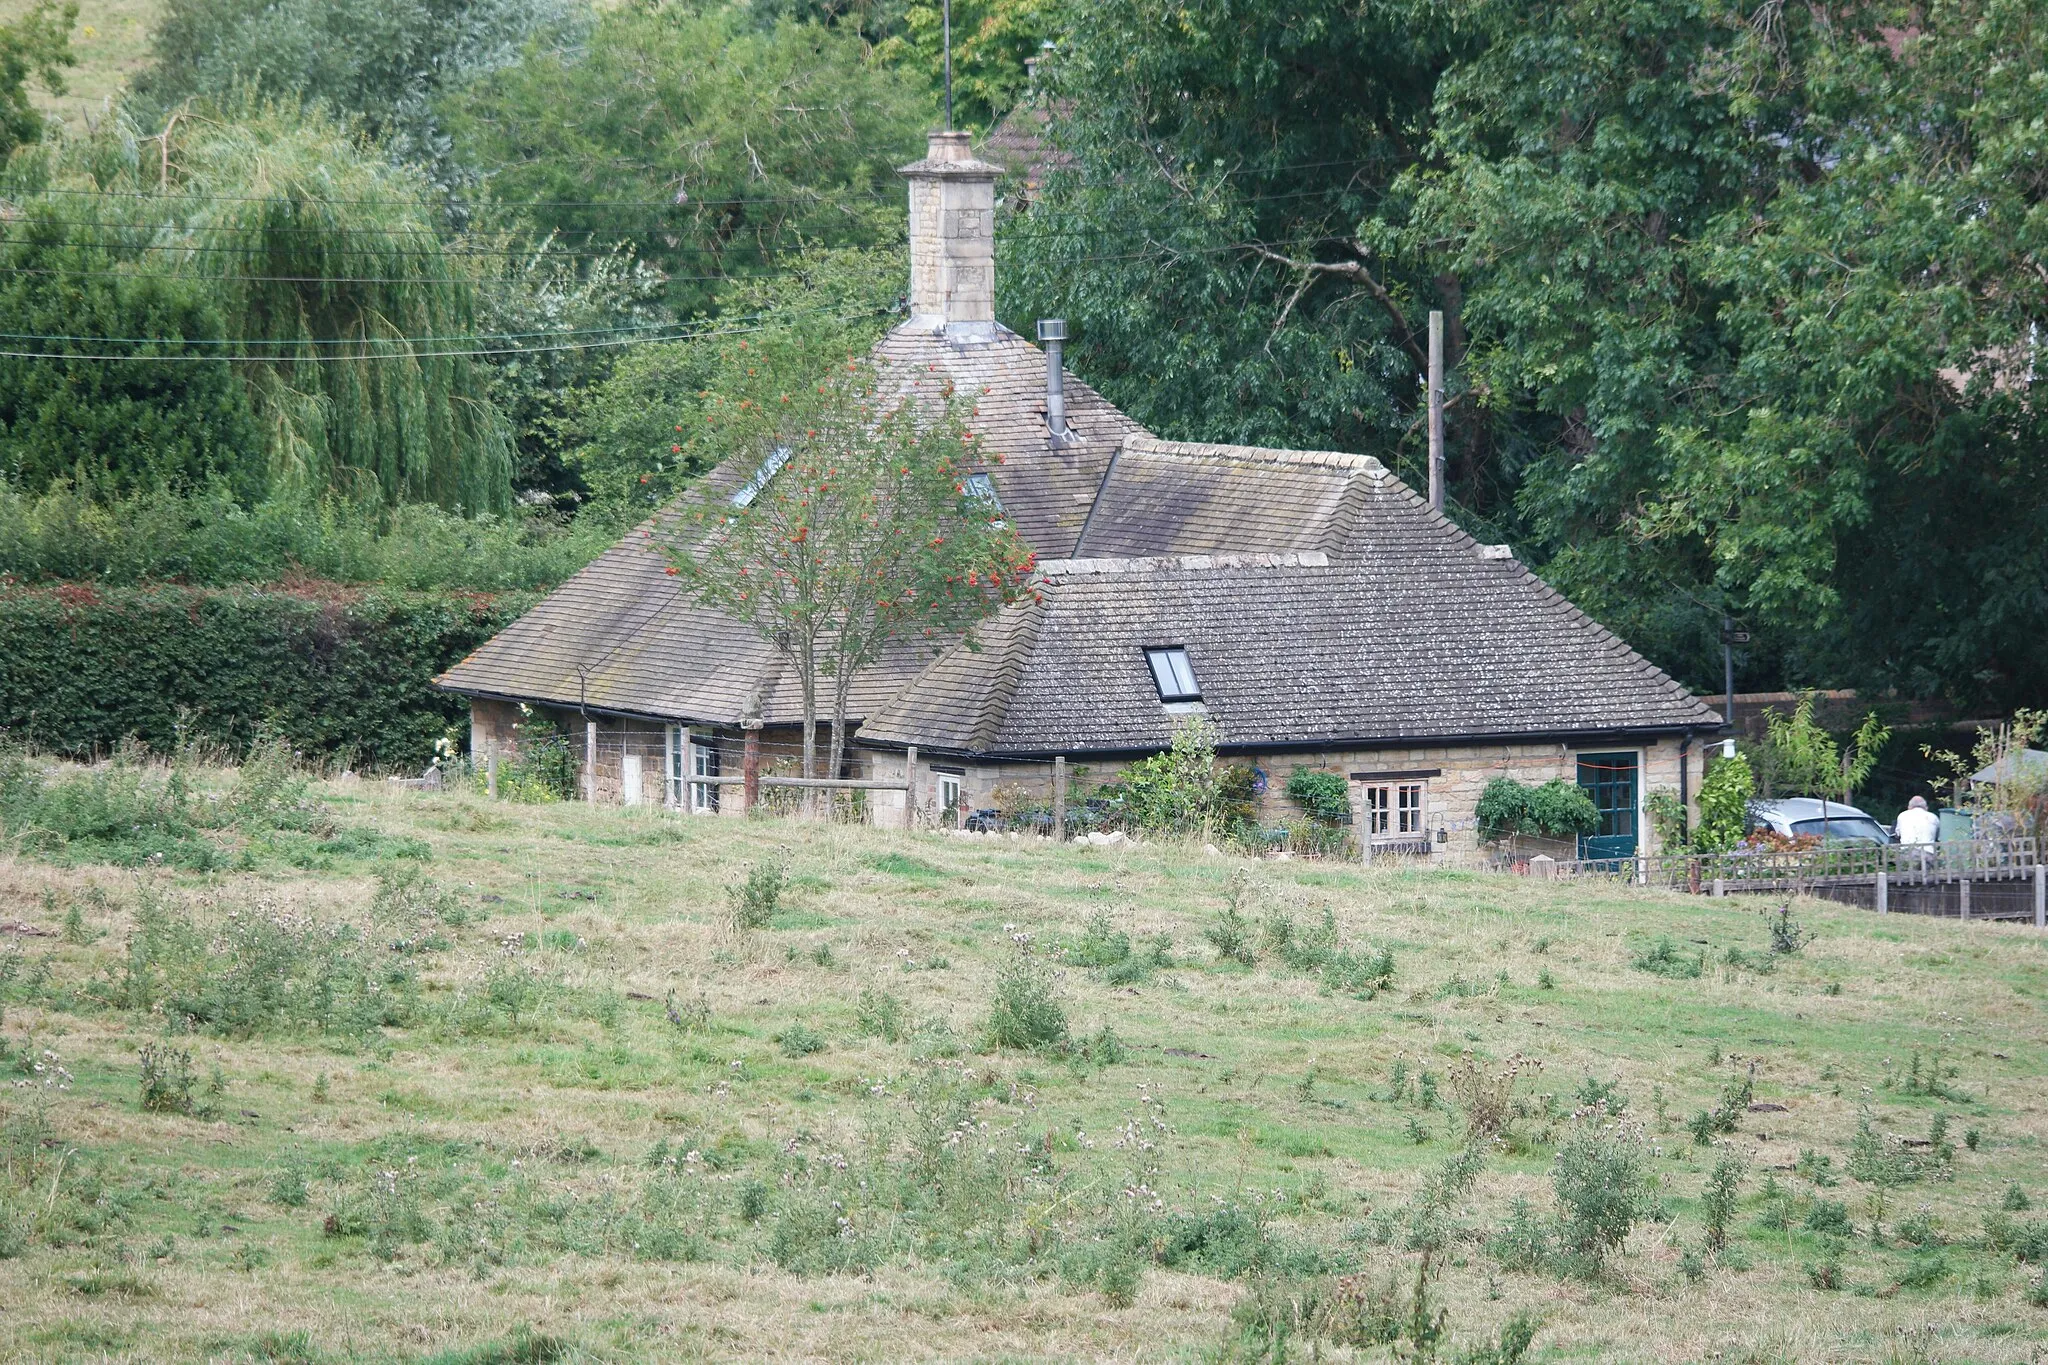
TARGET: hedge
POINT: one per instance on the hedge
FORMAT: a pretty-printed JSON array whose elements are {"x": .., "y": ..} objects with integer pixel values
[{"x": 345, "y": 673}]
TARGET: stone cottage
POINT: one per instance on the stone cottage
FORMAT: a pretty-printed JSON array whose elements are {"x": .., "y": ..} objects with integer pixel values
[{"x": 1309, "y": 604}]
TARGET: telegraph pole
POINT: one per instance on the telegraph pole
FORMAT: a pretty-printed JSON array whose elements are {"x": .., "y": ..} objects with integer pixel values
[{"x": 1436, "y": 410}]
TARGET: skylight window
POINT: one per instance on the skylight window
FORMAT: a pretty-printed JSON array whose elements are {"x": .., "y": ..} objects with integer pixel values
[
  {"x": 1173, "y": 674},
  {"x": 982, "y": 489},
  {"x": 768, "y": 470}
]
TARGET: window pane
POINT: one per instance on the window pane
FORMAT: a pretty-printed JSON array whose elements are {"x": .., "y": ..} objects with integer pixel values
[
  {"x": 1183, "y": 672},
  {"x": 1162, "y": 671}
]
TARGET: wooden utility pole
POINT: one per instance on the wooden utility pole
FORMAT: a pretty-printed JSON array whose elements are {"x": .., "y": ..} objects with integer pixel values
[
  {"x": 1436, "y": 410},
  {"x": 750, "y": 764}
]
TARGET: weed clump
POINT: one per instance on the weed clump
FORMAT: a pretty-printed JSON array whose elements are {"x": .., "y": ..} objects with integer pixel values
[
  {"x": 1232, "y": 935},
  {"x": 799, "y": 1041},
  {"x": 1665, "y": 958},
  {"x": 879, "y": 1014},
  {"x": 166, "y": 1079},
  {"x": 1026, "y": 1013},
  {"x": 754, "y": 902}
]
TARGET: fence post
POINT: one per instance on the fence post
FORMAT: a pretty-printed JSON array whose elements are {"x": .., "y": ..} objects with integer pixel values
[
  {"x": 1720, "y": 886},
  {"x": 1059, "y": 799},
  {"x": 910, "y": 787},
  {"x": 750, "y": 765},
  {"x": 1963, "y": 891},
  {"x": 683, "y": 765},
  {"x": 1543, "y": 867},
  {"x": 590, "y": 761},
  {"x": 2040, "y": 894},
  {"x": 1884, "y": 893},
  {"x": 491, "y": 777}
]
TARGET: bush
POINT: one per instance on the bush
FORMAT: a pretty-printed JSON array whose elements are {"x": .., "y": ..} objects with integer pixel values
[
  {"x": 1026, "y": 1013},
  {"x": 753, "y": 903},
  {"x": 1326, "y": 796},
  {"x": 1717, "y": 1200},
  {"x": 879, "y": 1014},
  {"x": 1665, "y": 958},
  {"x": 1725, "y": 794},
  {"x": 799, "y": 1041},
  {"x": 1557, "y": 809},
  {"x": 166, "y": 1079},
  {"x": 1604, "y": 1187}
]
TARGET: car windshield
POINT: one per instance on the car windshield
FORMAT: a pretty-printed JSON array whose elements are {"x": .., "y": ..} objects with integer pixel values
[{"x": 1852, "y": 828}]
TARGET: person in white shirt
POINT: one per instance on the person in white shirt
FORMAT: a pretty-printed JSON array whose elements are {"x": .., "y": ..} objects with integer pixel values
[{"x": 1917, "y": 824}]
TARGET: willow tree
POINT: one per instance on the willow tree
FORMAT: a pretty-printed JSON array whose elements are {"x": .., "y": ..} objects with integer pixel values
[{"x": 355, "y": 313}]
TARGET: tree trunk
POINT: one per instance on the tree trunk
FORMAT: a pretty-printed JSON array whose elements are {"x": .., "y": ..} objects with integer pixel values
[
  {"x": 842, "y": 685},
  {"x": 807, "y": 676}
]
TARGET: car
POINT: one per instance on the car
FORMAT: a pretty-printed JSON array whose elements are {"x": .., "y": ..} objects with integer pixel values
[{"x": 1831, "y": 821}]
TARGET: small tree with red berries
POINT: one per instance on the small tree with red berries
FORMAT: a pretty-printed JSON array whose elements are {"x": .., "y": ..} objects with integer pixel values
[{"x": 854, "y": 526}]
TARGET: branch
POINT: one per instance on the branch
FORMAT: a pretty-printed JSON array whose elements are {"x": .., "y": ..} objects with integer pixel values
[{"x": 1352, "y": 270}]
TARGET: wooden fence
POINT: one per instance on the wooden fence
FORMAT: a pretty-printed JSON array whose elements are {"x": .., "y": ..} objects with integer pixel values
[{"x": 1968, "y": 879}]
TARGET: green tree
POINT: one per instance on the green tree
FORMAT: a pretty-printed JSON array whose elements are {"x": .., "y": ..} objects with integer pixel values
[
  {"x": 711, "y": 144},
  {"x": 167, "y": 414},
  {"x": 1801, "y": 758},
  {"x": 35, "y": 46},
  {"x": 1725, "y": 794},
  {"x": 854, "y": 528}
]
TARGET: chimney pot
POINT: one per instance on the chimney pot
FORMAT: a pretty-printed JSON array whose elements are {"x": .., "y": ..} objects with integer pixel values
[{"x": 1052, "y": 334}]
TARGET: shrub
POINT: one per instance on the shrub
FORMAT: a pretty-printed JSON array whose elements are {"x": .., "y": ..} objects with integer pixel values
[
  {"x": 878, "y": 1014},
  {"x": 1665, "y": 958},
  {"x": 1026, "y": 1013},
  {"x": 1325, "y": 796},
  {"x": 1604, "y": 1187},
  {"x": 1828, "y": 1216},
  {"x": 754, "y": 902},
  {"x": 1231, "y": 934},
  {"x": 799, "y": 1041},
  {"x": 1487, "y": 1095},
  {"x": 1718, "y": 1199},
  {"x": 166, "y": 1079},
  {"x": 1788, "y": 935},
  {"x": 1558, "y": 809},
  {"x": 1101, "y": 945},
  {"x": 1725, "y": 794}
]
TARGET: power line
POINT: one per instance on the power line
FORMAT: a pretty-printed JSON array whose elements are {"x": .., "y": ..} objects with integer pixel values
[{"x": 407, "y": 354}]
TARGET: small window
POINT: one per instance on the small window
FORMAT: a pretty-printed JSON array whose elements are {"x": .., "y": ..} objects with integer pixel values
[
  {"x": 1173, "y": 674},
  {"x": 982, "y": 489},
  {"x": 768, "y": 470},
  {"x": 704, "y": 763},
  {"x": 1394, "y": 810},
  {"x": 949, "y": 799}
]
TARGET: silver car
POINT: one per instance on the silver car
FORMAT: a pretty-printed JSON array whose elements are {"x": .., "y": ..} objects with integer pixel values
[{"x": 1832, "y": 822}]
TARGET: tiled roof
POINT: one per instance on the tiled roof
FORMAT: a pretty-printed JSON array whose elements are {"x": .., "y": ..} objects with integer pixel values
[
  {"x": 1320, "y": 599},
  {"x": 621, "y": 636},
  {"x": 1409, "y": 631}
]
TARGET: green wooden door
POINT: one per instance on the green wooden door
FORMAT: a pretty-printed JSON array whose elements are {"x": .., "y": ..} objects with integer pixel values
[{"x": 1610, "y": 779}]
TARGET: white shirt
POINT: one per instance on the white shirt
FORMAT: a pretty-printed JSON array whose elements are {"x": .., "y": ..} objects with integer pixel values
[{"x": 1919, "y": 826}]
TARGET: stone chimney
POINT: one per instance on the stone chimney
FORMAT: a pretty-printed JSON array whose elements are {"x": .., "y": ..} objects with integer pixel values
[{"x": 952, "y": 240}]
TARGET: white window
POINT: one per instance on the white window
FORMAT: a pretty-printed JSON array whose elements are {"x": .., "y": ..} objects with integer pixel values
[
  {"x": 672, "y": 776},
  {"x": 1172, "y": 674},
  {"x": 1395, "y": 810},
  {"x": 775, "y": 461},
  {"x": 949, "y": 797},
  {"x": 703, "y": 763},
  {"x": 982, "y": 489}
]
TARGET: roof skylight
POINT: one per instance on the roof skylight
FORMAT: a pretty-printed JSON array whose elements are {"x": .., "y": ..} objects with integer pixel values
[
  {"x": 1172, "y": 674},
  {"x": 768, "y": 470}
]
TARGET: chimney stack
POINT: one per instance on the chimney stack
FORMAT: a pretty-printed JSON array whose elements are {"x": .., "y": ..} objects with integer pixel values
[
  {"x": 952, "y": 239},
  {"x": 1052, "y": 334}
]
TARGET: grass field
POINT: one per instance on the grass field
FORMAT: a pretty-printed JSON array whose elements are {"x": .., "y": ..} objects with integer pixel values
[{"x": 538, "y": 1096}]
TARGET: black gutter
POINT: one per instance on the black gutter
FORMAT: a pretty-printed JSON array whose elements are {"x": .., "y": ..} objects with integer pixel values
[{"x": 1574, "y": 739}]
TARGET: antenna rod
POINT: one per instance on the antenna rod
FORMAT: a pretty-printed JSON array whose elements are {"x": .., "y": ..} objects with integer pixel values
[
  {"x": 1436, "y": 410},
  {"x": 948, "y": 10}
]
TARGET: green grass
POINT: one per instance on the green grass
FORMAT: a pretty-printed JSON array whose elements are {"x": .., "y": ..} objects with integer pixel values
[
  {"x": 111, "y": 39},
  {"x": 610, "y": 1126}
]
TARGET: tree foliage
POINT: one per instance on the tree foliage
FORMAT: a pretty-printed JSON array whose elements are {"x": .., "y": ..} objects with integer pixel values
[
  {"x": 1725, "y": 794},
  {"x": 1739, "y": 301},
  {"x": 854, "y": 528},
  {"x": 1557, "y": 809},
  {"x": 712, "y": 144},
  {"x": 33, "y": 46}
]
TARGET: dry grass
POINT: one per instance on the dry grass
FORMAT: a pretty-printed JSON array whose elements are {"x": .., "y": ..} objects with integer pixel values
[{"x": 639, "y": 899}]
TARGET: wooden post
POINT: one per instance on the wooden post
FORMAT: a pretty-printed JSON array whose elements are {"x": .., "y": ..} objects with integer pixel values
[
  {"x": 1436, "y": 410},
  {"x": 2040, "y": 895},
  {"x": 910, "y": 787},
  {"x": 1884, "y": 890},
  {"x": 491, "y": 777},
  {"x": 1963, "y": 893},
  {"x": 668, "y": 767},
  {"x": 686, "y": 766},
  {"x": 590, "y": 761},
  {"x": 750, "y": 766},
  {"x": 1059, "y": 799}
]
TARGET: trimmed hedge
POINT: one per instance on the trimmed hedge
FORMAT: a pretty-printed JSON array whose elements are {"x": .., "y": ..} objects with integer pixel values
[{"x": 341, "y": 672}]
